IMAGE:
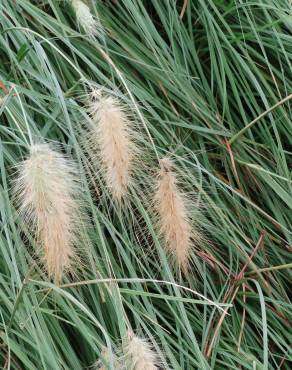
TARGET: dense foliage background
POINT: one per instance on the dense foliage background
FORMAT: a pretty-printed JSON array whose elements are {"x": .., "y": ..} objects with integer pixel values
[{"x": 210, "y": 78}]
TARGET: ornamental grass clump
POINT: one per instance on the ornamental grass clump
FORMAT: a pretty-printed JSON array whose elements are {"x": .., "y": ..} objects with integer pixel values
[
  {"x": 113, "y": 144},
  {"x": 174, "y": 222},
  {"x": 48, "y": 196}
]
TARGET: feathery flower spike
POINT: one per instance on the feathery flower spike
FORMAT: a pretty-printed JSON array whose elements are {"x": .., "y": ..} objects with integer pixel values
[
  {"x": 139, "y": 355},
  {"x": 113, "y": 140},
  {"x": 174, "y": 221},
  {"x": 85, "y": 19},
  {"x": 47, "y": 191}
]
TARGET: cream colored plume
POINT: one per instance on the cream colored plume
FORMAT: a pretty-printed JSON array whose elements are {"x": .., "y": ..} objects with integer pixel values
[
  {"x": 174, "y": 221},
  {"x": 112, "y": 138},
  {"x": 48, "y": 197},
  {"x": 139, "y": 355},
  {"x": 85, "y": 19}
]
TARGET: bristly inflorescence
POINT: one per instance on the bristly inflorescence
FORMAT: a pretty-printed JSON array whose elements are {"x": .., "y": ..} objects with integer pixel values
[
  {"x": 174, "y": 222},
  {"x": 48, "y": 196},
  {"x": 113, "y": 143},
  {"x": 139, "y": 354},
  {"x": 90, "y": 24}
]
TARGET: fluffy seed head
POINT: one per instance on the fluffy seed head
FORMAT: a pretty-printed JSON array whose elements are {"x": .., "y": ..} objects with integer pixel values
[
  {"x": 47, "y": 193},
  {"x": 139, "y": 355},
  {"x": 112, "y": 139},
  {"x": 85, "y": 19},
  {"x": 174, "y": 222}
]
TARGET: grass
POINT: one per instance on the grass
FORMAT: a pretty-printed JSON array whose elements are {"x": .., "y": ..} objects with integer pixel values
[{"x": 201, "y": 78}]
